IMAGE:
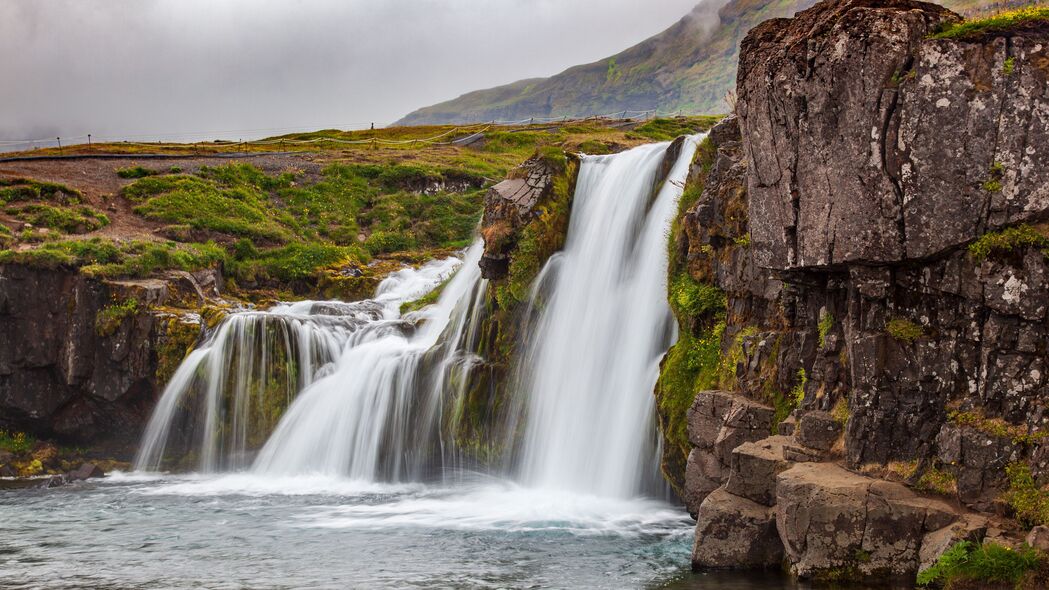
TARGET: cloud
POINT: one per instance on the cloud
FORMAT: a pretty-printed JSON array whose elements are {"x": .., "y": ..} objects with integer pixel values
[{"x": 152, "y": 69}]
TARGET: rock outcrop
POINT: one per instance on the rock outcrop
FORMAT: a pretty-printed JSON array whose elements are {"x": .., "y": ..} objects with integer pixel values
[
  {"x": 80, "y": 357},
  {"x": 874, "y": 217}
]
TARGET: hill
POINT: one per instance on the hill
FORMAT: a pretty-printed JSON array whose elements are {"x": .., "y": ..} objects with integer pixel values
[{"x": 690, "y": 67}]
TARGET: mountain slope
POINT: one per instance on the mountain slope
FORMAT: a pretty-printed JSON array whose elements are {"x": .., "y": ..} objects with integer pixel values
[{"x": 690, "y": 67}]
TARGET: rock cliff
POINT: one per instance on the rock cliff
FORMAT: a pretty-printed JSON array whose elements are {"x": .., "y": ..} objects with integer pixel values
[
  {"x": 82, "y": 360},
  {"x": 873, "y": 216}
]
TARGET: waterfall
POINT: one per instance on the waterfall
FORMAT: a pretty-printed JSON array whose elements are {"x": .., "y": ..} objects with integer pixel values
[
  {"x": 603, "y": 324},
  {"x": 282, "y": 369},
  {"x": 356, "y": 390}
]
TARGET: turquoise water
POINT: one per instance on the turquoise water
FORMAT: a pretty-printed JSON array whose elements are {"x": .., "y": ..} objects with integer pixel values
[{"x": 240, "y": 531}]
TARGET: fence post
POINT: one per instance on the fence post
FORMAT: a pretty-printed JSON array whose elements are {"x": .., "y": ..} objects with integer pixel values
[{"x": 59, "y": 144}]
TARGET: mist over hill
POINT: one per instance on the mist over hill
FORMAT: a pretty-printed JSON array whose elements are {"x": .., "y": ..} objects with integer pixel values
[{"x": 690, "y": 67}]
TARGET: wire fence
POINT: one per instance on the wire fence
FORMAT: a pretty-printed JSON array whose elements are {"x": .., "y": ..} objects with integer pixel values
[{"x": 473, "y": 132}]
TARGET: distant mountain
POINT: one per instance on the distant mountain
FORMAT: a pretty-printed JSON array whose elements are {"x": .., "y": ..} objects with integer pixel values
[{"x": 690, "y": 67}]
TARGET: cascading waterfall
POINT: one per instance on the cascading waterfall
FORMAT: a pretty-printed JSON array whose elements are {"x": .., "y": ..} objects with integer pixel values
[
  {"x": 603, "y": 324},
  {"x": 227, "y": 396},
  {"x": 355, "y": 390},
  {"x": 378, "y": 413}
]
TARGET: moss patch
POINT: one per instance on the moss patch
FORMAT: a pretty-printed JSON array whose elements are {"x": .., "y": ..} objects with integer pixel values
[
  {"x": 1009, "y": 240},
  {"x": 904, "y": 330},
  {"x": 1029, "y": 502},
  {"x": 109, "y": 319},
  {"x": 1000, "y": 24}
]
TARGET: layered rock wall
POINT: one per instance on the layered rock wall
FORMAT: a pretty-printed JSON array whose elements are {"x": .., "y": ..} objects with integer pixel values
[
  {"x": 82, "y": 359},
  {"x": 874, "y": 217}
]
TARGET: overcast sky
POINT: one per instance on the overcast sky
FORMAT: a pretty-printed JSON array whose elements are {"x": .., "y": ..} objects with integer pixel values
[{"x": 142, "y": 69}]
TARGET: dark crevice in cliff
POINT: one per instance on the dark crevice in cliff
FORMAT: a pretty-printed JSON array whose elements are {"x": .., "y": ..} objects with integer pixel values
[{"x": 889, "y": 131}]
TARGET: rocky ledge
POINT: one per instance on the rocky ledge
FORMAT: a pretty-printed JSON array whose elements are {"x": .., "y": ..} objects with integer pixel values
[{"x": 862, "y": 287}]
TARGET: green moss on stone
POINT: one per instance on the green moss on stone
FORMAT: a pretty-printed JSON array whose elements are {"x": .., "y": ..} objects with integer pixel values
[{"x": 904, "y": 330}]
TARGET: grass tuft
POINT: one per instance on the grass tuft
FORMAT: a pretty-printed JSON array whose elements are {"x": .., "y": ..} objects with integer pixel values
[{"x": 999, "y": 24}]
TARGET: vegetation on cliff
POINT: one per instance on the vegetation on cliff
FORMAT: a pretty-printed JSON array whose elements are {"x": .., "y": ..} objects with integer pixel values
[
  {"x": 1002, "y": 23},
  {"x": 987, "y": 565}
]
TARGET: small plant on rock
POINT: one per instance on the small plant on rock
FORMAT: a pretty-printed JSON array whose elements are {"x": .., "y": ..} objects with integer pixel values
[{"x": 904, "y": 330}]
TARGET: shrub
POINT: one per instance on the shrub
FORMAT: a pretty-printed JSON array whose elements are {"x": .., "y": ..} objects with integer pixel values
[
  {"x": 135, "y": 172},
  {"x": 692, "y": 299},
  {"x": 16, "y": 442}
]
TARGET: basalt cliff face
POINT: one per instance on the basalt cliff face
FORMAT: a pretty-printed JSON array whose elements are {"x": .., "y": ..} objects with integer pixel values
[
  {"x": 82, "y": 359},
  {"x": 873, "y": 384}
]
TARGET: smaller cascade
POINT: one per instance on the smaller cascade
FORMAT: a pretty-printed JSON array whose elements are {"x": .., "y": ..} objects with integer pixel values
[
  {"x": 380, "y": 414},
  {"x": 229, "y": 394}
]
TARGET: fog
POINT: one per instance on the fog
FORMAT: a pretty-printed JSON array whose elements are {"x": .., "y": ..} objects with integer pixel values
[{"x": 193, "y": 69}]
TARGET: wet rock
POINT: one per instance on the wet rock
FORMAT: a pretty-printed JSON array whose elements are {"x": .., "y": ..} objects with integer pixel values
[
  {"x": 735, "y": 533},
  {"x": 86, "y": 471},
  {"x": 831, "y": 519},
  {"x": 818, "y": 430}
]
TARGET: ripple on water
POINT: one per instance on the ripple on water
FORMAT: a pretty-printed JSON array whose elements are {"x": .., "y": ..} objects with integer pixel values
[{"x": 133, "y": 531}]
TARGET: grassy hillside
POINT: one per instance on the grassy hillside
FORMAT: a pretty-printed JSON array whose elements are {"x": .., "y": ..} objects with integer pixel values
[
  {"x": 323, "y": 218},
  {"x": 689, "y": 68}
]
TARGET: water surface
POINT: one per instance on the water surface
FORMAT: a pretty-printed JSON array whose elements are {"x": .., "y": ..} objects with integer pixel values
[{"x": 243, "y": 531}]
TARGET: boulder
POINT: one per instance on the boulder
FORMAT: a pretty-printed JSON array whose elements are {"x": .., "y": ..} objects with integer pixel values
[
  {"x": 830, "y": 519},
  {"x": 970, "y": 527},
  {"x": 718, "y": 422},
  {"x": 735, "y": 533},
  {"x": 754, "y": 469},
  {"x": 86, "y": 471},
  {"x": 508, "y": 208},
  {"x": 1039, "y": 538},
  {"x": 818, "y": 430}
]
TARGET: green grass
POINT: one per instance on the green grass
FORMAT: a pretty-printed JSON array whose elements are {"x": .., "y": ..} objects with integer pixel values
[
  {"x": 988, "y": 563},
  {"x": 70, "y": 220},
  {"x": 691, "y": 365},
  {"x": 998, "y": 24},
  {"x": 135, "y": 172},
  {"x": 16, "y": 442},
  {"x": 99, "y": 257},
  {"x": 669, "y": 129},
  {"x": 1029, "y": 502},
  {"x": 1008, "y": 240},
  {"x": 13, "y": 190},
  {"x": 236, "y": 210},
  {"x": 300, "y": 261}
]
